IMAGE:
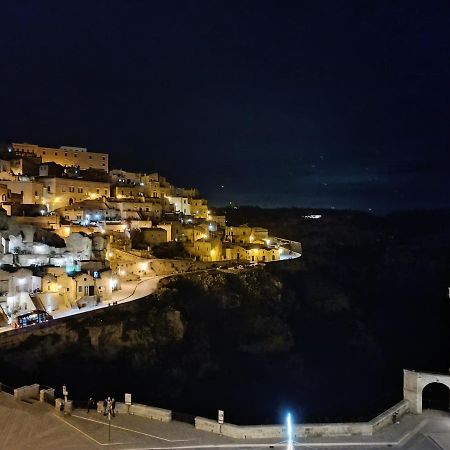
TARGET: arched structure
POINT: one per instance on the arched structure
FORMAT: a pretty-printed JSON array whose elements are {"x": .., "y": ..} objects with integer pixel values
[
  {"x": 436, "y": 396},
  {"x": 415, "y": 382}
]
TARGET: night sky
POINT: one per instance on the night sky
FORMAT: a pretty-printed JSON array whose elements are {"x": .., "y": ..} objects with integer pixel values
[{"x": 339, "y": 104}]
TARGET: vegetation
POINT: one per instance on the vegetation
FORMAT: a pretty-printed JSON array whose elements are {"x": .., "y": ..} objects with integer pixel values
[
  {"x": 169, "y": 250},
  {"x": 326, "y": 335}
]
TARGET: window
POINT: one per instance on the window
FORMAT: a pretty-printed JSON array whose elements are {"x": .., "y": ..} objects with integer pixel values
[
  {"x": 76, "y": 156},
  {"x": 71, "y": 189},
  {"x": 65, "y": 154},
  {"x": 43, "y": 152},
  {"x": 56, "y": 153},
  {"x": 36, "y": 193},
  {"x": 80, "y": 190},
  {"x": 98, "y": 191},
  {"x": 90, "y": 157},
  {"x": 106, "y": 191},
  {"x": 103, "y": 158},
  {"x": 48, "y": 189},
  {"x": 80, "y": 288},
  {"x": 4, "y": 197}
]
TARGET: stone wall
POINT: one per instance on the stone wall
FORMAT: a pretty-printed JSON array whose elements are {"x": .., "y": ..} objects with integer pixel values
[
  {"x": 385, "y": 418},
  {"x": 25, "y": 392},
  {"x": 415, "y": 382},
  {"x": 150, "y": 412},
  {"x": 305, "y": 430}
]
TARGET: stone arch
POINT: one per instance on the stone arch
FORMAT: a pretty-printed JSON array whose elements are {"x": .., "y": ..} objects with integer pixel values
[
  {"x": 436, "y": 396},
  {"x": 414, "y": 384}
]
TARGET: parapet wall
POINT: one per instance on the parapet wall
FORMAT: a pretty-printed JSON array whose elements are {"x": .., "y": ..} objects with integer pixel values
[
  {"x": 243, "y": 431},
  {"x": 302, "y": 431},
  {"x": 25, "y": 392},
  {"x": 150, "y": 412}
]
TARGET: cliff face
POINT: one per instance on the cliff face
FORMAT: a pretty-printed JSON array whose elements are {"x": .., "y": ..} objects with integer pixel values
[{"x": 178, "y": 334}]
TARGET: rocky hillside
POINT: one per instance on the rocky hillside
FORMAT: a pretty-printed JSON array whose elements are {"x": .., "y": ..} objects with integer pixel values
[{"x": 326, "y": 335}]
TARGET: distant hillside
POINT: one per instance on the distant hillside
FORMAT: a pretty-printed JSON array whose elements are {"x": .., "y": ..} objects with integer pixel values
[{"x": 326, "y": 335}]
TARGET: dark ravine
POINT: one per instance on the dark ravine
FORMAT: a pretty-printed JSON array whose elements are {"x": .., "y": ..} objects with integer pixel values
[{"x": 369, "y": 296}]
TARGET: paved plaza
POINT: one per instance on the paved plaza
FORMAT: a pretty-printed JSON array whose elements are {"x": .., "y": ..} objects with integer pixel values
[{"x": 38, "y": 427}]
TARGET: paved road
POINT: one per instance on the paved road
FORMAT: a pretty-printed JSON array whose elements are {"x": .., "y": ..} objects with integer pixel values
[{"x": 132, "y": 290}]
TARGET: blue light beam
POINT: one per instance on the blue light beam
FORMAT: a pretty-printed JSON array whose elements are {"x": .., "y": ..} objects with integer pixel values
[{"x": 290, "y": 444}]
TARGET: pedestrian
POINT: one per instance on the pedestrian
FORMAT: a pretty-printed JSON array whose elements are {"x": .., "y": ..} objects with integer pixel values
[
  {"x": 113, "y": 407},
  {"x": 90, "y": 404},
  {"x": 394, "y": 417},
  {"x": 61, "y": 408},
  {"x": 105, "y": 404}
]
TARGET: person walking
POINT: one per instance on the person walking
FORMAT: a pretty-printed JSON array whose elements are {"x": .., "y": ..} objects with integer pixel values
[
  {"x": 113, "y": 407},
  {"x": 90, "y": 404},
  {"x": 105, "y": 404}
]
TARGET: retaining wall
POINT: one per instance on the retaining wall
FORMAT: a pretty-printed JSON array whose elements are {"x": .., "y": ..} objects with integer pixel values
[
  {"x": 385, "y": 418},
  {"x": 306, "y": 430},
  {"x": 150, "y": 412},
  {"x": 25, "y": 392}
]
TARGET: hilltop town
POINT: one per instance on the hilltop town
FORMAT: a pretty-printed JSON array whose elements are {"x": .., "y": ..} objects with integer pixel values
[{"x": 77, "y": 235}]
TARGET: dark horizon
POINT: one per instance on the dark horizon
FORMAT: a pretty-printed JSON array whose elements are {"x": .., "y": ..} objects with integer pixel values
[{"x": 325, "y": 105}]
